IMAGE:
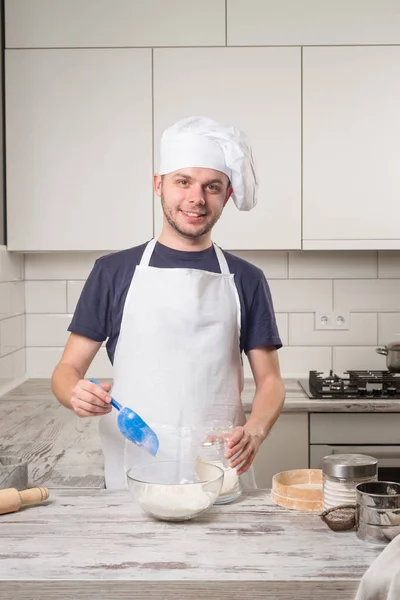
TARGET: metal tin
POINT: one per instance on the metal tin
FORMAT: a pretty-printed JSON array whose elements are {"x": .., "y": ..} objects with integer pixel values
[
  {"x": 350, "y": 466},
  {"x": 379, "y": 494},
  {"x": 378, "y": 511}
]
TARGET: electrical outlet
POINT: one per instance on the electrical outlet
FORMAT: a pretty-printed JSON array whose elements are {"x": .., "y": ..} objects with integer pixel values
[{"x": 337, "y": 319}]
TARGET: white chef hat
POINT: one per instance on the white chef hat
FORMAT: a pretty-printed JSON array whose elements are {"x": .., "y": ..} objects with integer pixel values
[{"x": 202, "y": 142}]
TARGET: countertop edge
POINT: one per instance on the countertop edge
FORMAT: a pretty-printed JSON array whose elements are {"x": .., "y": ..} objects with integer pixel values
[
  {"x": 296, "y": 399},
  {"x": 177, "y": 590}
]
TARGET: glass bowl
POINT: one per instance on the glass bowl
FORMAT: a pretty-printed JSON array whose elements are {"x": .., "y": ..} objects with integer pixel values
[{"x": 175, "y": 491}]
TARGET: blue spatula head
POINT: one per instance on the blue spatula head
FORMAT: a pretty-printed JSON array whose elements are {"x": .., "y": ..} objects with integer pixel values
[
  {"x": 133, "y": 427},
  {"x": 137, "y": 431}
]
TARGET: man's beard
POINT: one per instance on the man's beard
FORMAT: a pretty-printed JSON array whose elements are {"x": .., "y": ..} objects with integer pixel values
[{"x": 188, "y": 234}]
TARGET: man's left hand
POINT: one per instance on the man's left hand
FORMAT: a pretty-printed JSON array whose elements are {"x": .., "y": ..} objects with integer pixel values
[{"x": 245, "y": 442}]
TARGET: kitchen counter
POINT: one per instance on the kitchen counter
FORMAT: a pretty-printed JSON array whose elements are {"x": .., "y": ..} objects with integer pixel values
[
  {"x": 63, "y": 450},
  {"x": 298, "y": 401},
  {"x": 99, "y": 544},
  {"x": 39, "y": 390}
]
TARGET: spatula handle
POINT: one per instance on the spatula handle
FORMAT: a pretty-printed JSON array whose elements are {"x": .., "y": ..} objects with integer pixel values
[{"x": 113, "y": 403}]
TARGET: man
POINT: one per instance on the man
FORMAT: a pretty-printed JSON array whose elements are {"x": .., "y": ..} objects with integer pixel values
[{"x": 177, "y": 314}]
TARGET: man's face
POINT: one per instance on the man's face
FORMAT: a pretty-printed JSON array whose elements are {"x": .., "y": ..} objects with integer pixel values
[{"x": 193, "y": 199}]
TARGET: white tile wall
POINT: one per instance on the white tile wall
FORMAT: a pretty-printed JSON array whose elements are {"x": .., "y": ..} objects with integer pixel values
[
  {"x": 74, "y": 289},
  {"x": 46, "y": 296},
  {"x": 301, "y": 283},
  {"x": 274, "y": 264},
  {"x": 12, "y": 319},
  {"x": 12, "y": 334},
  {"x": 389, "y": 327},
  {"x": 295, "y": 361},
  {"x": 40, "y": 362},
  {"x": 357, "y": 357},
  {"x": 12, "y": 299},
  {"x": 282, "y": 321},
  {"x": 12, "y": 369},
  {"x": 335, "y": 265},
  {"x": 374, "y": 295},
  {"x": 295, "y": 295},
  {"x": 47, "y": 330},
  {"x": 363, "y": 331},
  {"x": 59, "y": 266},
  {"x": 11, "y": 266},
  {"x": 389, "y": 264}
]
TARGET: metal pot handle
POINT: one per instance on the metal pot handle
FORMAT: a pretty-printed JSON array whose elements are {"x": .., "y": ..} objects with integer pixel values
[{"x": 382, "y": 350}]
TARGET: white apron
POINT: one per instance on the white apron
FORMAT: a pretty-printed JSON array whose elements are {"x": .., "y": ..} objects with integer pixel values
[{"x": 177, "y": 362}]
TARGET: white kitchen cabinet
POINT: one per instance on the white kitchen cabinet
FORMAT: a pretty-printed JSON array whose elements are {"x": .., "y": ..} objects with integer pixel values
[
  {"x": 351, "y": 153},
  {"x": 285, "y": 448},
  {"x": 259, "y": 91},
  {"x": 312, "y": 22},
  {"x": 110, "y": 23},
  {"x": 79, "y": 149}
]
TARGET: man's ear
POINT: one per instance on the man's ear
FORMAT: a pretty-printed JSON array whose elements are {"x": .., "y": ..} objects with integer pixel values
[
  {"x": 229, "y": 193},
  {"x": 157, "y": 184}
]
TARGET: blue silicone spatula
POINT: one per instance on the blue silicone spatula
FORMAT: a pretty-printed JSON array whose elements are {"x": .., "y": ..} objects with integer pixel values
[{"x": 133, "y": 427}]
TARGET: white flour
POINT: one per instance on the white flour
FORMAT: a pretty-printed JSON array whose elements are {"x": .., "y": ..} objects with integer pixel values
[
  {"x": 308, "y": 486},
  {"x": 175, "y": 501}
]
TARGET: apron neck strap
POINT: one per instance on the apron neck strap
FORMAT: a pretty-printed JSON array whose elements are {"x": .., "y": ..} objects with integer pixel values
[
  {"x": 148, "y": 251},
  {"x": 223, "y": 265}
]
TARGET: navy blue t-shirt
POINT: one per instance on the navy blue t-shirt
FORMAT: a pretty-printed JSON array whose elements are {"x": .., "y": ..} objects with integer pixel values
[{"x": 99, "y": 310}]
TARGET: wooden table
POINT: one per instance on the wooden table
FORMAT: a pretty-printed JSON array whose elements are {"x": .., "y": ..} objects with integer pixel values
[{"x": 87, "y": 543}]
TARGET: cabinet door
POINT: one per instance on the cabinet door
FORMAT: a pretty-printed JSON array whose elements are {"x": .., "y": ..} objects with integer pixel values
[
  {"x": 351, "y": 133},
  {"x": 79, "y": 149},
  {"x": 110, "y": 23},
  {"x": 259, "y": 91},
  {"x": 285, "y": 448}
]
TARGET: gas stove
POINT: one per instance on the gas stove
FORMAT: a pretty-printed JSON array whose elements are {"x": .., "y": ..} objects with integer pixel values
[{"x": 374, "y": 385}]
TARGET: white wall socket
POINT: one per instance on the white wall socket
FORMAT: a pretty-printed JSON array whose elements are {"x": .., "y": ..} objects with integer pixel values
[{"x": 337, "y": 319}]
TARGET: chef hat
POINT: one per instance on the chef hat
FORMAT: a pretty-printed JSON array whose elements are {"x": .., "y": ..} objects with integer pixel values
[{"x": 202, "y": 142}]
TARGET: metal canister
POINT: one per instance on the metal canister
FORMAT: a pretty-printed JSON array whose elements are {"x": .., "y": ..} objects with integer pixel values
[
  {"x": 342, "y": 472},
  {"x": 378, "y": 511}
]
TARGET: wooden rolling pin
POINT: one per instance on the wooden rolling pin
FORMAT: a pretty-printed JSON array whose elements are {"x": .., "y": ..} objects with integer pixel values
[{"x": 11, "y": 499}]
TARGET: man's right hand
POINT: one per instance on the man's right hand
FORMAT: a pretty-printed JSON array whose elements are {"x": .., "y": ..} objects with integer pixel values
[{"x": 91, "y": 400}]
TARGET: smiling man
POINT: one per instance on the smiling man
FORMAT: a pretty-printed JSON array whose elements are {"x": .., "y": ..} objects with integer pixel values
[{"x": 177, "y": 314}]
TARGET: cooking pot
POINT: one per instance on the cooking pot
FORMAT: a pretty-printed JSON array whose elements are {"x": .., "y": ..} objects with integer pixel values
[{"x": 392, "y": 353}]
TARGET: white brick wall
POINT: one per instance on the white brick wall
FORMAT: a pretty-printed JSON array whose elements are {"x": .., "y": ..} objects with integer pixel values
[
  {"x": 12, "y": 319},
  {"x": 366, "y": 283}
]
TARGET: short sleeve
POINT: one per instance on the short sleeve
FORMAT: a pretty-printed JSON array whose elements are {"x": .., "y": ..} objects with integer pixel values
[
  {"x": 92, "y": 317},
  {"x": 262, "y": 329}
]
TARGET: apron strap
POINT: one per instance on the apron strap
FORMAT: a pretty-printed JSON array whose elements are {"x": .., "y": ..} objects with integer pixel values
[
  {"x": 148, "y": 251},
  {"x": 223, "y": 265}
]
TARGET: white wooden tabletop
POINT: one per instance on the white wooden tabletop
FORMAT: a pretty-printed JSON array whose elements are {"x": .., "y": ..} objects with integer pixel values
[{"x": 86, "y": 543}]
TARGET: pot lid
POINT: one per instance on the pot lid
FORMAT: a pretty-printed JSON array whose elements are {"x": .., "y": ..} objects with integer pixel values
[{"x": 393, "y": 346}]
